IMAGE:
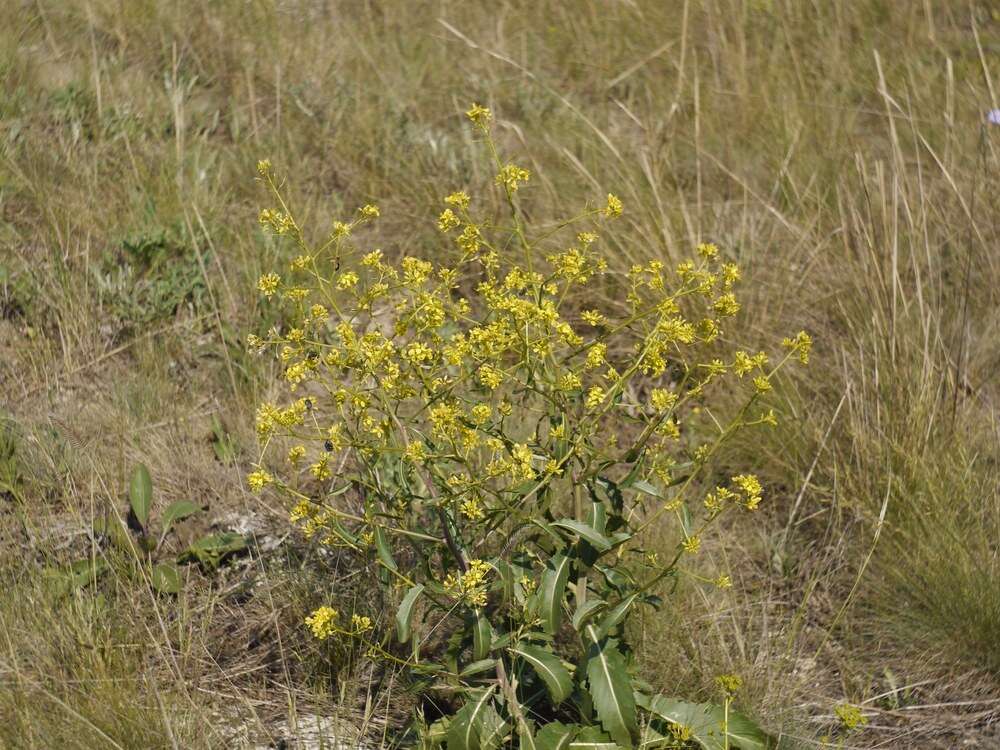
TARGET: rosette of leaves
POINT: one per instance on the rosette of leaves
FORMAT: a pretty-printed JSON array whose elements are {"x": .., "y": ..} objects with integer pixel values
[
  {"x": 499, "y": 436},
  {"x": 142, "y": 537}
]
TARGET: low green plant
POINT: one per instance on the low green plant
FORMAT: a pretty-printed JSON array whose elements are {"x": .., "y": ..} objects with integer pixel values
[
  {"x": 147, "y": 279},
  {"x": 147, "y": 543},
  {"x": 503, "y": 456}
]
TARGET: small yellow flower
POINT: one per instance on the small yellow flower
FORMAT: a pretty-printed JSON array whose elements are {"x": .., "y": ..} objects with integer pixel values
[
  {"x": 347, "y": 280},
  {"x": 264, "y": 167},
  {"x": 470, "y": 586},
  {"x": 490, "y": 376},
  {"x": 361, "y": 624},
  {"x": 761, "y": 384},
  {"x": 692, "y": 544},
  {"x": 511, "y": 176},
  {"x": 459, "y": 198},
  {"x": 729, "y": 683},
  {"x": 268, "y": 284},
  {"x": 708, "y": 250},
  {"x": 322, "y": 622},
  {"x": 850, "y": 716},
  {"x": 369, "y": 211},
  {"x": 723, "y": 582},
  {"x": 259, "y": 479},
  {"x": 593, "y": 317},
  {"x": 662, "y": 399},
  {"x": 594, "y": 397},
  {"x": 340, "y": 229},
  {"x": 614, "y": 207},
  {"x": 480, "y": 414},
  {"x": 447, "y": 220},
  {"x": 471, "y": 509},
  {"x": 296, "y": 454},
  {"x": 415, "y": 452},
  {"x": 801, "y": 345},
  {"x": 726, "y": 305},
  {"x": 480, "y": 116}
]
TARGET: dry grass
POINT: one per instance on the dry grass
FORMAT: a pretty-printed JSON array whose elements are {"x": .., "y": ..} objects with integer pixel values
[{"x": 836, "y": 149}]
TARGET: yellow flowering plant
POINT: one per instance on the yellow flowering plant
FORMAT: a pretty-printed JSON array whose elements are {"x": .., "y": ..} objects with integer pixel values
[{"x": 498, "y": 454}]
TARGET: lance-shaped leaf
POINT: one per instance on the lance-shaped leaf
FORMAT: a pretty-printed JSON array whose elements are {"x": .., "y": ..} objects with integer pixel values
[
  {"x": 478, "y": 667},
  {"x": 616, "y": 615},
  {"x": 383, "y": 549},
  {"x": 549, "y": 668},
  {"x": 482, "y": 635},
  {"x": 610, "y": 689},
  {"x": 140, "y": 494},
  {"x": 463, "y": 731},
  {"x": 587, "y": 610},
  {"x": 404, "y": 615},
  {"x": 596, "y": 539},
  {"x": 551, "y": 590},
  {"x": 707, "y": 722}
]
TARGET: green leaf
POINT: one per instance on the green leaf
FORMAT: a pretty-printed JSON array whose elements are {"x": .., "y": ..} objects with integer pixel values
[
  {"x": 549, "y": 668},
  {"x": 404, "y": 615},
  {"x": 592, "y": 738},
  {"x": 211, "y": 549},
  {"x": 436, "y": 733},
  {"x": 551, "y": 590},
  {"x": 598, "y": 517},
  {"x": 616, "y": 615},
  {"x": 382, "y": 546},
  {"x": 86, "y": 572},
  {"x": 611, "y": 690},
  {"x": 178, "y": 510},
  {"x": 140, "y": 494},
  {"x": 492, "y": 729},
  {"x": 166, "y": 578},
  {"x": 706, "y": 722},
  {"x": 555, "y": 736},
  {"x": 114, "y": 531},
  {"x": 596, "y": 539},
  {"x": 478, "y": 667},
  {"x": 587, "y": 610},
  {"x": 641, "y": 485},
  {"x": 482, "y": 635},
  {"x": 464, "y": 729}
]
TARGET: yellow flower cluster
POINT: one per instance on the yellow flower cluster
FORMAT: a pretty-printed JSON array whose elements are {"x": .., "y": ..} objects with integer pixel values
[
  {"x": 472, "y": 389},
  {"x": 322, "y": 622},
  {"x": 469, "y": 587}
]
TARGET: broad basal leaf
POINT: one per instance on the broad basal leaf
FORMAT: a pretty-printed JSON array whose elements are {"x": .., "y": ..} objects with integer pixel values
[
  {"x": 140, "y": 494},
  {"x": 177, "y": 511}
]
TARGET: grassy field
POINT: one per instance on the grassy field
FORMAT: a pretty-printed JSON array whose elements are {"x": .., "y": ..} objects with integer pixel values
[{"x": 838, "y": 150}]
